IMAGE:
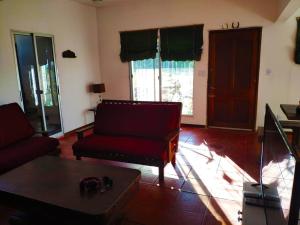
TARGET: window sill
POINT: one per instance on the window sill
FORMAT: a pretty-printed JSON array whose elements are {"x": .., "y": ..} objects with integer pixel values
[{"x": 186, "y": 115}]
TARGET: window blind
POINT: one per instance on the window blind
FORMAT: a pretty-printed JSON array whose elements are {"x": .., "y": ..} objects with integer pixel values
[
  {"x": 138, "y": 45},
  {"x": 181, "y": 43}
]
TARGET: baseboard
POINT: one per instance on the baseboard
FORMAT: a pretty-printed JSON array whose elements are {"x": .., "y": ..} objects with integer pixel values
[
  {"x": 192, "y": 125},
  {"x": 69, "y": 133},
  {"x": 231, "y": 128}
]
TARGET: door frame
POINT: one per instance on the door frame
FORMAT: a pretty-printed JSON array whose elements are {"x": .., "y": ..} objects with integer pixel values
[
  {"x": 34, "y": 34},
  {"x": 210, "y": 47}
]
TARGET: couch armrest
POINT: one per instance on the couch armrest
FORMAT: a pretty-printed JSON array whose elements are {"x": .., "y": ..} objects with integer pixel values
[
  {"x": 80, "y": 132},
  {"x": 172, "y": 140}
]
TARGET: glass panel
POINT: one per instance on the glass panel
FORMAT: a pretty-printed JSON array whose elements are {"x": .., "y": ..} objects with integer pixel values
[
  {"x": 177, "y": 83},
  {"x": 145, "y": 83},
  {"x": 29, "y": 80},
  {"x": 48, "y": 83}
]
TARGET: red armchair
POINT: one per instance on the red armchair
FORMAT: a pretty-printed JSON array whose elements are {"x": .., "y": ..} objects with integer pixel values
[
  {"x": 134, "y": 132},
  {"x": 18, "y": 144}
]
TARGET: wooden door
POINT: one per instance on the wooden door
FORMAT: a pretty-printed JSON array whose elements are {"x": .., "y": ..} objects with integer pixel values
[{"x": 233, "y": 77}]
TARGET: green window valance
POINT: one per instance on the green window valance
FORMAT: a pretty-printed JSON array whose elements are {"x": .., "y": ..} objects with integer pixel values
[
  {"x": 181, "y": 43},
  {"x": 297, "y": 52},
  {"x": 138, "y": 45}
]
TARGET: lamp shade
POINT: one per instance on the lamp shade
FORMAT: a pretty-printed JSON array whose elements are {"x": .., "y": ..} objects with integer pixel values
[{"x": 98, "y": 88}]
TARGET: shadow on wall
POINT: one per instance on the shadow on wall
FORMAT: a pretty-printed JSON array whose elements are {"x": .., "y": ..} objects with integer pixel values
[{"x": 266, "y": 9}]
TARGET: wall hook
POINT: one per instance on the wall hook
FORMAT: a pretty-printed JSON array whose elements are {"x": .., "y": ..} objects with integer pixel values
[
  {"x": 225, "y": 27},
  {"x": 235, "y": 26}
]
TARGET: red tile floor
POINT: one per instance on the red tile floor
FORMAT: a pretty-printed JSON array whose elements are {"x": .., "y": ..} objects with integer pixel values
[{"x": 204, "y": 188}]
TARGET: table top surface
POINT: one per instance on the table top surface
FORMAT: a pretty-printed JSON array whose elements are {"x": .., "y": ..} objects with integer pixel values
[
  {"x": 55, "y": 181},
  {"x": 290, "y": 111}
]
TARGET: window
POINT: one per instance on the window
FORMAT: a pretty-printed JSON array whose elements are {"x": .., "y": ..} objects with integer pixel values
[
  {"x": 48, "y": 101},
  {"x": 177, "y": 83},
  {"x": 162, "y": 63},
  {"x": 174, "y": 84},
  {"x": 145, "y": 80}
]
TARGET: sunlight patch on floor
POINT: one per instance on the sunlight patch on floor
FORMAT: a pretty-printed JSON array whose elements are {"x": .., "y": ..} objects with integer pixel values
[
  {"x": 217, "y": 176},
  {"x": 202, "y": 171}
]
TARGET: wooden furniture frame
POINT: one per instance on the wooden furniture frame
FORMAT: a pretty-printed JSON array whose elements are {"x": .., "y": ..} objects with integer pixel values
[
  {"x": 47, "y": 190},
  {"x": 171, "y": 140}
]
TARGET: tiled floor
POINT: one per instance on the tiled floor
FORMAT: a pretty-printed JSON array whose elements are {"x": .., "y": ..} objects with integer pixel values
[{"x": 205, "y": 187}]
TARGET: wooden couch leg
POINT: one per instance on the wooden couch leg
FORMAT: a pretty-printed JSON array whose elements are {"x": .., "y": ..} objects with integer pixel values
[
  {"x": 161, "y": 174},
  {"x": 78, "y": 157},
  {"x": 174, "y": 160}
]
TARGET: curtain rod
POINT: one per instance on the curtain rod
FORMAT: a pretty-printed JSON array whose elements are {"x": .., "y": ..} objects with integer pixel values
[{"x": 158, "y": 28}]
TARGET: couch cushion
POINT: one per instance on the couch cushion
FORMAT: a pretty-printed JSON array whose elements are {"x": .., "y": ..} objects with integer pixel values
[
  {"x": 24, "y": 151},
  {"x": 132, "y": 146},
  {"x": 143, "y": 120},
  {"x": 14, "y": 125}
]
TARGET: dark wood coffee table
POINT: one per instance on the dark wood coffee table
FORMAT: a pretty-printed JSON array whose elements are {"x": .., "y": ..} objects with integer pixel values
[{"x": 48, "y": 188}]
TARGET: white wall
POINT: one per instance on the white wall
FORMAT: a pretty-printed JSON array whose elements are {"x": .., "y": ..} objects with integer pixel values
[
  {"x": 74, "y": 27},
  {"x": 293, "y": 69},
  {"x": 282, "y": 86},
  {"x": 277, "y": 43}
]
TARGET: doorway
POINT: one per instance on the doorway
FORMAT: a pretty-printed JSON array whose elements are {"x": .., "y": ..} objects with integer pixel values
[
  {"x": 234, "y": 58},
  {"x": 39, "y": 90}
]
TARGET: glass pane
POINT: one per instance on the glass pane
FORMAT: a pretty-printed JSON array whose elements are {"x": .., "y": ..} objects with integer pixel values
[
  {"x": 177, "y": 83},
  {"x": 145, "y": 83},
  {"x": 29, "y": 80},
  {"x": 48, "y": 83}
]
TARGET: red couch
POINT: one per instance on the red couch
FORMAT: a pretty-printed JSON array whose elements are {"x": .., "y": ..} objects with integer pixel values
[
  {"x": 18, "y": 144},
  {"x": 135, "y": 132}
]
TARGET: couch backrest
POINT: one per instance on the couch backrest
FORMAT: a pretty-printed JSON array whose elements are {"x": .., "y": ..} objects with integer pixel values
[
  {"x": 142, "y": 119},
  {"x": 14, "y": 125}
]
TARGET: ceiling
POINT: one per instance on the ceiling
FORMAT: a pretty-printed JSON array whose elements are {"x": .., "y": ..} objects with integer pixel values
[
  {"x": 99, "y": 3},
  {"x": 286, "y": 8}
]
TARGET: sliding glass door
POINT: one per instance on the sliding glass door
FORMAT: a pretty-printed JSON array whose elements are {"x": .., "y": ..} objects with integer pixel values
[
  {"x": 38, "y": 81},
  {"x": 177, "y": 83},
  {"x": 145, "y": 80},
  {"x": 170, "y": 81},
  {"x": 47, "y": 75}
]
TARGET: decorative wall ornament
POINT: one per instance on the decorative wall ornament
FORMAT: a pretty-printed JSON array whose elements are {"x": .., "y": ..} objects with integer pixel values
[
  {"x": 235, "y": 25},
  {"x": 225, "y": 26},
  {"x": 68, "y": 54}
]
